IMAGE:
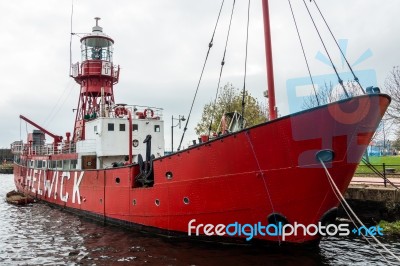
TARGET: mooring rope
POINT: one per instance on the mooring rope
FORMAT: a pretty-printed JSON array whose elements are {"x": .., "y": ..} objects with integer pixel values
[
  {"x": 343, "y": 200},
  {"x": 352, "y": 220}
]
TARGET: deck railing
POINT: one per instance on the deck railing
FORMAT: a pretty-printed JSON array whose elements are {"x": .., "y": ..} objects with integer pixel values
[{"x": 45, "y": 150}]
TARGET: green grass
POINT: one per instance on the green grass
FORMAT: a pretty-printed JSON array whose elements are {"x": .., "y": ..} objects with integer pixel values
[
  {"x": 389, "y": 161},
  {"x": 390, "y": 228},
  {"x": 385, "y": 159}
]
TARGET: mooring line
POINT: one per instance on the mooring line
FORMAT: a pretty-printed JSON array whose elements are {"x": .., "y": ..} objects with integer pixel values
[{"x": 343, "y": 200}]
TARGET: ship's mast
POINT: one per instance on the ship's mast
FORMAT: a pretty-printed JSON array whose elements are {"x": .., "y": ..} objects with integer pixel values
[
  {"x": 270, "y": 68},
  {"x": 96, "y": 76}
]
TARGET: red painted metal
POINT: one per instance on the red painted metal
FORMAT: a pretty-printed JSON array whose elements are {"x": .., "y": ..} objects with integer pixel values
[
  {"x": 94, "y": 75},
  {"x": 270, "y": 65},
  {"x": 242, "y": 177},
  {"x": 57, "y": 139}
]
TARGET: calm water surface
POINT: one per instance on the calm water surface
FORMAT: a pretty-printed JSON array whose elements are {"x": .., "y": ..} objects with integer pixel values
[{"x": 41, "y": 235}]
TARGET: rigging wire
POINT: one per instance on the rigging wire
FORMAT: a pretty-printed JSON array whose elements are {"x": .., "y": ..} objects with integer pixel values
[
  {"x": 326, "y": 50},
  {"x": 263, "y": 178},
  {"x": 341, "y": 51},
  {"x": 304, "y": 53},
  {"x": 57, "y": 103},
  {"x": 201, "y": 75},
  {"x": 222, "y": 67},
  {"x": 245, "y": 66},
  {"x": 70, "y": 39},
  {"x": 60, "y": 103}
]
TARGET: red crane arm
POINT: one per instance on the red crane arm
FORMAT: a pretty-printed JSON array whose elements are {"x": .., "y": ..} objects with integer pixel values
[{"x": 55, "y": 137}]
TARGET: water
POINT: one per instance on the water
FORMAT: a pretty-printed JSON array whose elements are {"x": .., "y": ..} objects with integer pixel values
[{"x": 41, "y": 235}]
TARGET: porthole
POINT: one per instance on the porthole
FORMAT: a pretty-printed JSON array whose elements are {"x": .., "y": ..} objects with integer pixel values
[
  {"x": 168, "y": 175},
  {"x": 134, "y": 202},
  {"x": 276, "y": 218},
  {"x": 186, "y": 200},
  {"x": 117, "y": 180},
  {"x": 135, "y": 143},
  {"x": 157, "y": 202}
]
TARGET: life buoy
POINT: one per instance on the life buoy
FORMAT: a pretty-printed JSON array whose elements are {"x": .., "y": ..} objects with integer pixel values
[
  {"x": 120, "y": 111},
  {"x": 148, "y": 113}
]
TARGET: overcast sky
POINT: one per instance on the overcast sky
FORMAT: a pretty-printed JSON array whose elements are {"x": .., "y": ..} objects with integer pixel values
[{"x": 160, "y": 46}]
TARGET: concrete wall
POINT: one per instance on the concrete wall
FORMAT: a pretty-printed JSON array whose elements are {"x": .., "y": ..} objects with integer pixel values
[{"x": 373, "y": 203}]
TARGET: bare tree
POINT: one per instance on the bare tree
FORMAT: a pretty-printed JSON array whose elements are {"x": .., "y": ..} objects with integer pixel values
[
  {"x": 392, "y": 117},
  {"x": 384, "y": 133},
  {"x": 392, "y": 87},
  {"x": 329, "y": 93},
  {"x": 396, "y": 142}
]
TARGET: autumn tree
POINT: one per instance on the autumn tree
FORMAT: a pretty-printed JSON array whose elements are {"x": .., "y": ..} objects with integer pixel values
[
  {"x": 230, "y": 100},
  {"x": 392, "y": 88}
]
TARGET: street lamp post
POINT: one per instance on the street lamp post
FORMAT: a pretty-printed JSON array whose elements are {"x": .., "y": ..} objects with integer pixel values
[{"x": 180, "y": 119}]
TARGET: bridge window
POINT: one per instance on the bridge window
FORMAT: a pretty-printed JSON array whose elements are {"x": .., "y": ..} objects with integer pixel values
[
  {"x": 110, "y": 126},
  {"x": 121, "y": 127},
  {"x": 66, "y": 164},
  {"x": 157, "y": 128},
  {"x": 73, "y": 164},
  {"x": 135, "y": 127}
]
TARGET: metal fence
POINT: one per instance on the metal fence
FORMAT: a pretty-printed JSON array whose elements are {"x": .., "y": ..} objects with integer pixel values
[{"x": 379, "y": 170}]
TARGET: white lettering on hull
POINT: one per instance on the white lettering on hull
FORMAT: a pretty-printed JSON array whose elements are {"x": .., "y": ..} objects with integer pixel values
[
  {"x": 55, "y": 177},
  {"x": 67, "y": 176},
  {"x": 39, "y": 190},
  {"x": 33, "y": 180},
  {"x": 47, "y": 185},
  {"x": 28, "y": 179},
  {"x": 54, "y": 187},
  {"x": 75, "y": 191}
]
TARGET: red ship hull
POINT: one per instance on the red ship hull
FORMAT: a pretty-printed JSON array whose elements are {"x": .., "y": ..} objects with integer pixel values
[{"x": 242, "y": 177}]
